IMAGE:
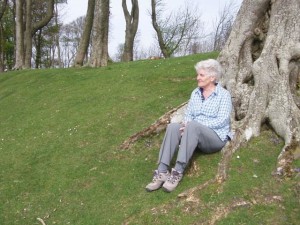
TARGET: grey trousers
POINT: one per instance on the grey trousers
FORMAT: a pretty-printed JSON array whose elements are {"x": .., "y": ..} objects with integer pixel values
[{"x": 194, "y": 135}]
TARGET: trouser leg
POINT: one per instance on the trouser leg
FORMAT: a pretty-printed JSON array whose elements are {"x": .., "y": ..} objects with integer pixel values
[
  {"x": 196, "y": 135},
  {"x": 169, "y": 144}
]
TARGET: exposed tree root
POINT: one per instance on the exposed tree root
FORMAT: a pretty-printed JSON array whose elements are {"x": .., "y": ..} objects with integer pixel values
[
  {"x": 286, "y": 157},
  {"x": 193, "y": 205},
  {"x": 154, "y": 128},
  {"x": 189, "y": 194},
  {"x": 222, "y": 211}
]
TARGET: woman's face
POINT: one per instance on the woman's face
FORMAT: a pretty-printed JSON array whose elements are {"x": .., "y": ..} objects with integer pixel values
[{"x": 204, "y": 80}]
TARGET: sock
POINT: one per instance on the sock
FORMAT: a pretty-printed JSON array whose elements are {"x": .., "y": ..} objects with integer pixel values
[
  {"x": 162, "y": 168},
  {"x": 179, "y": 167}
]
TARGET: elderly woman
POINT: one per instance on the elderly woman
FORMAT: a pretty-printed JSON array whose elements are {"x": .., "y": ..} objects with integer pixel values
[{"x": 206, "y": 127}]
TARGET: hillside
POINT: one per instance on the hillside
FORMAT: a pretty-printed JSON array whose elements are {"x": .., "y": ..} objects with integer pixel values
[{"x": 60, "y": 131}]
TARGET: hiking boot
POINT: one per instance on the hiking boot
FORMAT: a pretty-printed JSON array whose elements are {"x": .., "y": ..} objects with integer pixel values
[
  {"x": 173, "y": 180},
  {"x": 157, "y": 181}
]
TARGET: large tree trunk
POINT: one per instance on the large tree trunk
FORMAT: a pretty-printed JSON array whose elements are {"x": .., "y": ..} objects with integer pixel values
[
  {"x": 132, "y": 21},
  {"x": 85, "y": 39},
  {"x": 260, "y": 59},
  {"x": 100, "y": 34}
]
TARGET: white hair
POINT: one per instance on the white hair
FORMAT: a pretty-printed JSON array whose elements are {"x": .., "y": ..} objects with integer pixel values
[{"x": 212, "y": 67}]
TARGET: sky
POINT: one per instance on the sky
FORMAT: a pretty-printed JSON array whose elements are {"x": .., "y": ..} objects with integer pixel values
[{"x": 209, "y": 11}]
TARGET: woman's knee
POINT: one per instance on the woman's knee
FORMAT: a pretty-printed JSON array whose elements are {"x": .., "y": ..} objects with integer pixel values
[
  {"x": 193, "y": 125},
  {"x": 173, "y": 126}
]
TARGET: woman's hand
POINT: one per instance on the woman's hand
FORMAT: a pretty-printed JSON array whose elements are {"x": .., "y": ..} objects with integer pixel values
[{"x": 182, "y": 128}]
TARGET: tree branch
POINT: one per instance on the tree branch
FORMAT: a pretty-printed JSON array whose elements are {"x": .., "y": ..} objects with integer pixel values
[
  {"x": 156, "y": 127},
  {"x": 46, "y": 19}
]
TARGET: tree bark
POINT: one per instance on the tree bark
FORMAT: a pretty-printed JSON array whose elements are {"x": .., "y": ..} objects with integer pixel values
[
  {"x": 158, "y": 31},
  {"x": 1, "y": 49},
  {"x": 49, "y": 15},
  {"x": 85, "y": 39},
  {"x": 38, "y": 49},
  {"x": 3, "y": 8},
  {"x": 100, "y": 35},
  {"x": 57, "y": 37},
  {"x": 2, "y": 11},
  {"x": 132, "y": 21},
  {"x": 259, "y": 58},
  {"x": 27, "y": 35},
  {"x": 19, "y": 35}
]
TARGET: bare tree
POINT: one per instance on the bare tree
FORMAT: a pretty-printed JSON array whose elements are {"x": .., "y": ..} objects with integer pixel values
[
  {"x": 85, "y": 39},
  {"x": 223, "y": 25},
  {"x": 132, "y": 21},
  {"x": 100, "y": 34},
  {"x": 71, "y": 34},
  {"x": 119, "y": 53},
  {"x": 176, "y": 29}
]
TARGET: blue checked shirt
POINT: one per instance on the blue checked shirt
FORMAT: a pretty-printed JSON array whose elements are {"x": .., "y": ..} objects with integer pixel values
[{"x": 213, "y": 112}]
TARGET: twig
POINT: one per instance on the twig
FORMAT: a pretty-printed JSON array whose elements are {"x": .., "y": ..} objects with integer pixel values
[{"x": 41, "y": 220}]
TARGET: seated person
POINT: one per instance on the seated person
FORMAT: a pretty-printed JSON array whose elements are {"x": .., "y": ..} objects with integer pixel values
[{"x": 206, "y": 126}]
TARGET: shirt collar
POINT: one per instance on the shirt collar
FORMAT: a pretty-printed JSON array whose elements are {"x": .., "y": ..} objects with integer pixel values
[{"x": 215, "y": 92}]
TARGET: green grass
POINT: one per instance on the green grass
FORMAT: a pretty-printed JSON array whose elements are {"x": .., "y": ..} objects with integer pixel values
[{"x": 60, "y": 132}]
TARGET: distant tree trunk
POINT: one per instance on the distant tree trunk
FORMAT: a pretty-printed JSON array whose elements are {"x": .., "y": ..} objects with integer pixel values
[
  {"x": 100, "y": 34},
  {"x": 132, "y": 21},
  {"x": 1, "y": 49},
  {"x": 19, "y": 35},
  {"x": 3, "y": 8},
  {"x": 2, "y": 11},
  {"x": 24, "y": 40},
  {"x": 85, "y": 39},
  {"x": 57, "y": 38},
  {"x": 38, "y": 49},
  {"x": 159, "y": 33},
  {"x": 27, "y": 35}
]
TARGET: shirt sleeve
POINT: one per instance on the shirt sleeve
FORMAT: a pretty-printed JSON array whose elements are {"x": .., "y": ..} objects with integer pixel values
[{"x": 188, "y": 113}]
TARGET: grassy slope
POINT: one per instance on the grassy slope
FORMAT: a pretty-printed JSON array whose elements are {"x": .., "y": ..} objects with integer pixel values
[{"x": 59, "y": 135}]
